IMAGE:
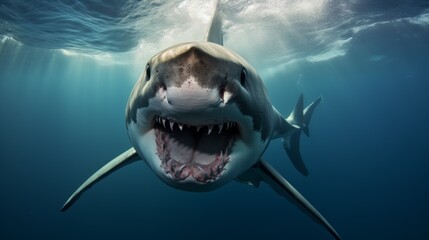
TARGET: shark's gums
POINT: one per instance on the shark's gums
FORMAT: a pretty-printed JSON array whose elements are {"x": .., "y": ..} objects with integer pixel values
[{"x": 200, "y": 117}]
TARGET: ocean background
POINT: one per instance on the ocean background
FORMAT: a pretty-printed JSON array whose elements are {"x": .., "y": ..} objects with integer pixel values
[{"x": 67, "y": 68}]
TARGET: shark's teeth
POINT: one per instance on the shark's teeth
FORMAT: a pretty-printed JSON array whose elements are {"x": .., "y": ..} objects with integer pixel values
[
  {"x": 210, "y": 127},
  {"x": 220, "y": 127},
  {"x": 169, "y": 123}
]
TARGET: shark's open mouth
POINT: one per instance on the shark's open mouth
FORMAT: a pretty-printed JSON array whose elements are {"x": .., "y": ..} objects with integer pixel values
[{"x": 200, "y": 152}]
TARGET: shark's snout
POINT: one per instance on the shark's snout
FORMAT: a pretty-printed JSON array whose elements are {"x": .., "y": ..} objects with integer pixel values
[
  {"x": 194, "y": 78},
  {"x": 193, "y": 97}
]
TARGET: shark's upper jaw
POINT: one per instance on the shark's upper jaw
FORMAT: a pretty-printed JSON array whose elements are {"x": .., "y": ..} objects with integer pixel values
[{"x": 195, "y": 152}]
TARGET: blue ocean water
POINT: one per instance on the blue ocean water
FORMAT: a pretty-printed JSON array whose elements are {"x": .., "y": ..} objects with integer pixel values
[{"x": 67, "y": 68}]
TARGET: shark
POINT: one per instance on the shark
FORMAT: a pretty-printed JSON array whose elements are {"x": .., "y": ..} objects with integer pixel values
[{"x": 199, "y": 116}]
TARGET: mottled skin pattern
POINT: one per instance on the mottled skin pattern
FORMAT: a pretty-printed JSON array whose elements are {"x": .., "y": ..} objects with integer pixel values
[{"x": 173, "y": 70}]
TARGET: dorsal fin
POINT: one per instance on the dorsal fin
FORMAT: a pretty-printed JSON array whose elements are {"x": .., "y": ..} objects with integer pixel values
[{"x": 215, "y": 33}]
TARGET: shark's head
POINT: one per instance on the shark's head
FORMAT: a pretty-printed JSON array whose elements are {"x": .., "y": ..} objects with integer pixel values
[{"x": 199, "y": 116}]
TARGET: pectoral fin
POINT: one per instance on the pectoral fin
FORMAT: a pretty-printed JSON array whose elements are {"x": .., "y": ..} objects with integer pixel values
[
  {"x": 125, "y": 158},
  {"x": 263, "y": 171}
]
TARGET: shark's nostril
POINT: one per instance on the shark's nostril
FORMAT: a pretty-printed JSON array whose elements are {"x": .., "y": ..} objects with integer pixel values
[
  {"x": 161, "y": 90},
  {"x": 221, "y": 94}
]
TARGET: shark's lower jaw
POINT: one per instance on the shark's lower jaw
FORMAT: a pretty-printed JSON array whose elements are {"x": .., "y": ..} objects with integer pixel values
[{"x": 200, "y": 153}]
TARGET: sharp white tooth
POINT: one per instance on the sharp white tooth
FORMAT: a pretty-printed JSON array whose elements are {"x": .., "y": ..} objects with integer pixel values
[
  {"x": 171, "y": 125},
  {"x": 163, "y": 122},
  {"x": 228, "y": 125},
  {"x": 220, "y": 127},
  {"x": 210, "y": 129},
  {"x": 198, "y": 128},
  {"x": 180, "y": 126}
]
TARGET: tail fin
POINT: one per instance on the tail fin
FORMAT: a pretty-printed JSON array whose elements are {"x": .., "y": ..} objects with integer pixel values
[
  {"x": 299, "y": 119},
  {"x": 215, "y": 33},
  {"x": 296, "y": 117},
  {"x": 308, "y": 112}
]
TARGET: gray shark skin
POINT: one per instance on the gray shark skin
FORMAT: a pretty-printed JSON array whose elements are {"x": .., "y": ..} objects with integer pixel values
[{"x": 200, "y": 117}]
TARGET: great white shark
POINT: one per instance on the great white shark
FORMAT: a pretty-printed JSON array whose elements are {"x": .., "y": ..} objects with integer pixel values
[{"x": 199, "y": 116}]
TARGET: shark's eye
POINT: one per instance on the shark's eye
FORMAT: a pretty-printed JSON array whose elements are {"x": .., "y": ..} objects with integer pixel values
[
  {"x": 243, "y": 76},
  {"x": 147, "y": 72}
]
